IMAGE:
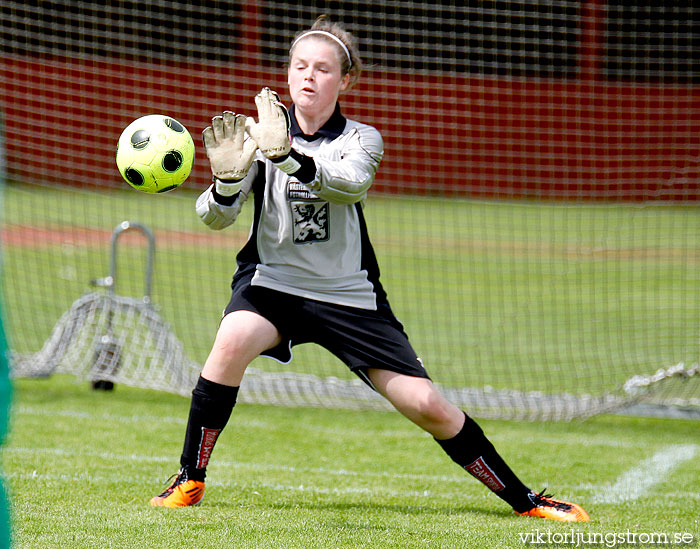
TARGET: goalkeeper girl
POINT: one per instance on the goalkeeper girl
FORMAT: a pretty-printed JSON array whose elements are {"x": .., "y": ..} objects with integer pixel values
[{"x": 308, "y": 272}]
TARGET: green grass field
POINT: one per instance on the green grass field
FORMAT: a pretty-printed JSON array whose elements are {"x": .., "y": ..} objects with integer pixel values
[
  {"x": 82, "y": 465},
  {"x": 531, "y": 296},
  {"x": 525, "y": 296}
]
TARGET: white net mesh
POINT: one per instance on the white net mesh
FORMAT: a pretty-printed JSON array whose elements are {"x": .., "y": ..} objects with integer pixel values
[
  {"x": 108, "y": 338},
  {"x": 535, "y": 215},
  {"x": 105, "y": 337}
]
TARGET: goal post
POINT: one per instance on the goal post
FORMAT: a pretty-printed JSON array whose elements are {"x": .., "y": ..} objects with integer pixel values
[{"x": 540, "y": 242}]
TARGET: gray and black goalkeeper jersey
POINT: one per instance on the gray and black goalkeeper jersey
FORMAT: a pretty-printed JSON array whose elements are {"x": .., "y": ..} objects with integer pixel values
[{"x": 311, "y": 240}]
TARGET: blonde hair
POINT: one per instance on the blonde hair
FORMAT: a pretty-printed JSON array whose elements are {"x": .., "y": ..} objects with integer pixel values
[{"x": 344, "y": 43}]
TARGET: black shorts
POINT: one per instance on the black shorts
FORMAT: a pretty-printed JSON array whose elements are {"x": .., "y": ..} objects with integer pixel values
[{"x": 360, "y": 338}]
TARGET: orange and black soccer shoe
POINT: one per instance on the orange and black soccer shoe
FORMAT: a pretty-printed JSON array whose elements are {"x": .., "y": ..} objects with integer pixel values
[
  {"x": 545, "y": 506},
  {"x": 182, "y": 492}
]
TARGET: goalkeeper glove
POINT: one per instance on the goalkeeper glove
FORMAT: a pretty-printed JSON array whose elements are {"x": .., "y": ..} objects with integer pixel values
[
  {"x": 271, "y": 133},
  {"x": 230, "y": 152}
]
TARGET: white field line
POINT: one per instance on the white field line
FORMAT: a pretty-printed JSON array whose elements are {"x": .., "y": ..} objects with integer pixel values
[
  {"x": 409, "y": 432},
  {"x": 261, "y": 467},
  {"x": 637, "y": 481},
  {"x": 252, "y": 485}
]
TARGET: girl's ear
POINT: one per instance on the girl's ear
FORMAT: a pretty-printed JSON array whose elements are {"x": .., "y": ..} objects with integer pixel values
[{"x": 345, "y": 82}]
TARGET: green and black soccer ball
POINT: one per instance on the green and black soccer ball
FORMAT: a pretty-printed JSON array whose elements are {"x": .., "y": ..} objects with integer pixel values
[{"x": 155, "y": 153}]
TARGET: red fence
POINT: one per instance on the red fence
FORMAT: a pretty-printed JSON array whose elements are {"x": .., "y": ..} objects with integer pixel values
[{"x": 481, "y": 137}]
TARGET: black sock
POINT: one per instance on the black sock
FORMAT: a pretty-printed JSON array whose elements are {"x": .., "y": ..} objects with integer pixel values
[
  {"x": 471, "y": 450},
  {"x": 210, "y": 410}
]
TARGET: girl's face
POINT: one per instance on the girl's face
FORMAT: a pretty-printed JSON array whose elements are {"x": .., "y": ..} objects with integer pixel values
[{"x": 314, "y": 77}]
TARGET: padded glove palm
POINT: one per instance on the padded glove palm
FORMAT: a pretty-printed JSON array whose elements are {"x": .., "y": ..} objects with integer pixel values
[
  {"x": 271, "y": 132},
  {"x": 230, "y": 152}
]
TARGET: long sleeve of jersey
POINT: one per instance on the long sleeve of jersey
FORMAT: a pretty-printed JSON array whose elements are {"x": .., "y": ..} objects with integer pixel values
[
  {"x": 345, "y": 168},
  {"x": 218, "y": 216}
]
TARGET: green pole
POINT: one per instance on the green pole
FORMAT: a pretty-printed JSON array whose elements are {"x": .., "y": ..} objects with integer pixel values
[{"x": 5, "y": 386}]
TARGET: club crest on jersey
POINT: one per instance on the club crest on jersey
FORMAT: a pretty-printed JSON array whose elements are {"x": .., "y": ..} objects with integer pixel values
[
  {"x": 310, "y": 222},
  {"x": 309, "y": 214}
]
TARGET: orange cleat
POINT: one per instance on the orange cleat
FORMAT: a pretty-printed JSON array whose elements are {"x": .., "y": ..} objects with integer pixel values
[
  {"x": 181, "y": 492},
  {"x": 548, "y": 507}
]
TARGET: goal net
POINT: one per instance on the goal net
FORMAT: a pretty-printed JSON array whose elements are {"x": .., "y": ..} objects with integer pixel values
[{"x": 536, "y": 215}]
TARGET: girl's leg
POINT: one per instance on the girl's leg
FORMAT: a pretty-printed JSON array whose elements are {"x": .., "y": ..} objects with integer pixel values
[
  {"x": 462, "y": 439},
  {"x": 241, "y": 337}
]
